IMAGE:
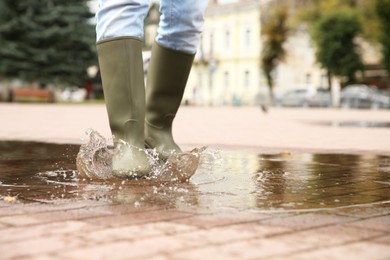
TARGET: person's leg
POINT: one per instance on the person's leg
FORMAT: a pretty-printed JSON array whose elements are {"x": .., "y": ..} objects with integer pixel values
[
  {"x": 118, "y": 18},
  {"x": 181, "y": 24},
  {"x": 172, "y": 56},
  {"x": 119, "y": 48}
]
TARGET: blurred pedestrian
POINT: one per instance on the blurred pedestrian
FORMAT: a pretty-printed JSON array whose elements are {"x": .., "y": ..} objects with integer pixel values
[{"x": 138, "y": 117}]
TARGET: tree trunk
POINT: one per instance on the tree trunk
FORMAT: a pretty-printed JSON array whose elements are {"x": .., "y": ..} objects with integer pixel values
[
  {"x": 271, "y": 89},
  {"x": 330, "y": 86}
]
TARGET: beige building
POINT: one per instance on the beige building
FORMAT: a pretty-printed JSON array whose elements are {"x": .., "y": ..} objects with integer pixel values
[
  {"x": 227, "y": 66},
  {"x": 226, "y": 69}
]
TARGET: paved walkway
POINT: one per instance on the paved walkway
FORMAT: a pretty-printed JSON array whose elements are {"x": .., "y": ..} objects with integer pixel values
[
  {"x": 242, "y": 127},
  {"x": 93, "y": 229}
]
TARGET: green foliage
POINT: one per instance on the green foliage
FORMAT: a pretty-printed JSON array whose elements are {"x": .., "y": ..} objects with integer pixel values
[
  {"x": 383, "y": 11},
  {"x": 334, "y": 36},
  {"x": 364, "y": 11},
  {"x": 46, "y": 41},
  {"x": 369, "y": 20},
  {"x": 275, "y": 32}
]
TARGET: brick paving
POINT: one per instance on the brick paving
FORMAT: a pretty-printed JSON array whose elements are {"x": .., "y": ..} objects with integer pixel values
[{"x": 102, "y": 229}]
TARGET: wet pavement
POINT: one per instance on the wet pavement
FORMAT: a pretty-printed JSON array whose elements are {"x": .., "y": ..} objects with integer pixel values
[
  {"x": 260, "y": 182},
  {"x": 246, "y": 203}
]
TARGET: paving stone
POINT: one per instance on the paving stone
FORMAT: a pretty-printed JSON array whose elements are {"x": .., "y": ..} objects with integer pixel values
[
  {"x": 37, "y": 256},
  {"x": 21, "y": 220},
  {"x": 138, "y": 218},
  {"x": 377, "y": 223},
  {"x": 169, "y": 243},
  {"x": 382, "y": 240},
  {"x": 3, "y": 226},
  {"x": 71, "y": 227},
  {"x": 119, "y": 209},
  {"x": 307, "y": 221},
  {"x": 134, "y": 249},
  {"x": 329, "y": 235},
  {"x": 31, "y": 247},
  {"x": 49, "y": 217},
  {"x": 221, "y": 219},
  {"x": 231, "y": 233},
  {"x": 4, "y": 204},
  {"x": 360, "y": 250},
  {"x": 10, "y": 211},
  {"x": 52, "y": 206},
  {"x": 247, "y": 249},
  {"x": 135, "y": 232}
]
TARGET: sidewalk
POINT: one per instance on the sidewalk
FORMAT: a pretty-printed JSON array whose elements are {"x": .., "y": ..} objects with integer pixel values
[
  {"x": 98, "y": 229},
  {"x": 234, "y": 127}
]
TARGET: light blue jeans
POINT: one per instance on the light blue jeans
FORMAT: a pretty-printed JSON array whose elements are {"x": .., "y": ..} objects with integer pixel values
[{"x": 179, "y": 29}]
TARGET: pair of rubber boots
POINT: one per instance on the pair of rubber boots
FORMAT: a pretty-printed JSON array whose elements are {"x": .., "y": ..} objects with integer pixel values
[{"x": 138, "y": 117}]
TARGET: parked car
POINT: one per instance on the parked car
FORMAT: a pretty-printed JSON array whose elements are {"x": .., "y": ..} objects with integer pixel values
[
  {"x": 381, "y": 99},
  {"x": 72, "y": 94},
  {"x": 363, "y": 96},
  {"x": 306, "y": 97}
]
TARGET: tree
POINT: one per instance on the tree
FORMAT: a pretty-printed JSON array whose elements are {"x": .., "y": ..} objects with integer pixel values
[
  {"x": 46, "y": 41},
  {"x": 312, "y": 11},
  {"x": 337, "y": 52},
  {"x": 275, "y": 33},
  {"x": 383, "y": 11}
]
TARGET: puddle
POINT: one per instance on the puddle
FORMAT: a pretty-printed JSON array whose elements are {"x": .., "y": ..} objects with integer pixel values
[
  {"x": 363, "y": 124},
  {"x": 47, "y": 173}
]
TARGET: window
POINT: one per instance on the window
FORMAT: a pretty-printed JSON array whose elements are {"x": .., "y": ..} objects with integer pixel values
[
  {"x": 308, "y": 78},
  {"x": 247, "y": 38},
  {"x": 247, "y": 75},
  {"x": 211, "y": 43},
  {"x": 200, "y": 79},
  {"x": 226, "y": 79},
  {"x": 324, "y": 81},
  {"x": 227, "y": 39}
]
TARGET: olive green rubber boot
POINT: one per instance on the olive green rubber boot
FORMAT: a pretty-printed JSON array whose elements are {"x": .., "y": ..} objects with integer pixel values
[
  {"x": 121, "y": 67},
  {"x": 167, "y": 77}
]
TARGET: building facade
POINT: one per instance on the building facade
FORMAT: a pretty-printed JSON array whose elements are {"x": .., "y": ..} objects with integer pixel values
[{"x": 227, "y": 67}]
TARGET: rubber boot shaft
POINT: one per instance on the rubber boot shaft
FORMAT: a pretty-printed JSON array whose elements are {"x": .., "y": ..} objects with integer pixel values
[
  {"x": 167, "y": 78},
  {"x": 121, "y": 67}
]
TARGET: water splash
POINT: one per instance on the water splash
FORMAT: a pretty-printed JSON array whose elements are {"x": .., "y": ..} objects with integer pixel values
[{"x": 94, "y": 161}]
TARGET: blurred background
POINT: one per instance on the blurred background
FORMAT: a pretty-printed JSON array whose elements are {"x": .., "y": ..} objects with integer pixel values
[{"x": 295, "y": 53}]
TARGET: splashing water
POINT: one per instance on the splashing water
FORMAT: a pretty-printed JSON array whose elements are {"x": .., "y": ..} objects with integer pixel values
[{"x": 94, "y": 161}]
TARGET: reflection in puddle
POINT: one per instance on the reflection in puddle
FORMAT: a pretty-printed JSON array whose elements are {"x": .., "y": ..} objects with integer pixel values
[{"x": 38, "y": 172}]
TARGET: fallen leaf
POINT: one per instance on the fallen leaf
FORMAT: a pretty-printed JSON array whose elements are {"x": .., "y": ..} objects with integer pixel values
[
  {"x": 10, "y": 199},
  {"x": 286, "y": 154}
]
